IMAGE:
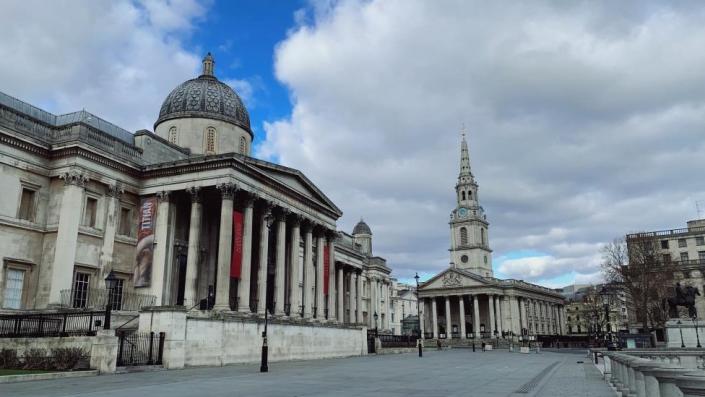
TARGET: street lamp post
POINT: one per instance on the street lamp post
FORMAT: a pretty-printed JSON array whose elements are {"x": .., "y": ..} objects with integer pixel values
[
  {"x": 418, "y": 315},
  {"x": 695, "y": 324},
  {"x": 110, "y": 282},
  {"x": 264, "y": 367}
]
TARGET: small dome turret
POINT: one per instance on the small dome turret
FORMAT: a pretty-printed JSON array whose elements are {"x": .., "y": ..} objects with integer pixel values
[{"x": 361, "y": 228}]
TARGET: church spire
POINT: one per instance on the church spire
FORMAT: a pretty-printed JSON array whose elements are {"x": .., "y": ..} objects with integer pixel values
[{"x": 464, "y": 159}]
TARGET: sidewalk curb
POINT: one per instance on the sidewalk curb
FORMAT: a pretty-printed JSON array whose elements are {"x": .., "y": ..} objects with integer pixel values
[{"x": 46, "y": 376}]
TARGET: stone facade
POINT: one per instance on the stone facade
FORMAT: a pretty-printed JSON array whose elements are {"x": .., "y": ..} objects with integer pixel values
[
  {"x": 76, "y": 187},
  {"x": 465, "y": 301}
]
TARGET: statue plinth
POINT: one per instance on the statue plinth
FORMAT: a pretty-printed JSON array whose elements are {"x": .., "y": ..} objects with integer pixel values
[{"x": 687, "y": 327}]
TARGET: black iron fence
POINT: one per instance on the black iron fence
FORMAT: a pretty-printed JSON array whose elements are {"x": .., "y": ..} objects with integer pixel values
[
  {"x": 140, "y": 348},
  {"x": 50, "y": 324},
  {"x": 97, "y": 298},
  {"x": 398, "y": 340}
]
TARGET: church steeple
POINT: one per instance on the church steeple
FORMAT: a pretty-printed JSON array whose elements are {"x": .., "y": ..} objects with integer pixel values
[
  {"x": 466, "y": 188},
  {"x": 464, "y": 158}
]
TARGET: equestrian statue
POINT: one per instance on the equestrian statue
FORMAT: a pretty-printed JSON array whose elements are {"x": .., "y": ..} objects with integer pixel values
[{"x": 683, "y": 297}]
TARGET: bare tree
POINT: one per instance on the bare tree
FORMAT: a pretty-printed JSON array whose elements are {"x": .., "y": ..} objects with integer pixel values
[
  {"x": 645, "y": 277},
  {"x": 593, "y": 311}
]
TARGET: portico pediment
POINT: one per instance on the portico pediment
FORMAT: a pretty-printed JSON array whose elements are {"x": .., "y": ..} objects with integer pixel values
[{"x": 453, "y": 278}]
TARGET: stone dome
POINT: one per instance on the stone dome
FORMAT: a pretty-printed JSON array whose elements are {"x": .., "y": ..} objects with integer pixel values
[
  {"x": 361, "y": 228},
  {"x": 205, "y": 97}
]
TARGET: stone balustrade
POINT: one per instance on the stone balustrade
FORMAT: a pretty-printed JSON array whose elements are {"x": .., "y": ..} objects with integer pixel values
[{"x": 636, "y": 376}]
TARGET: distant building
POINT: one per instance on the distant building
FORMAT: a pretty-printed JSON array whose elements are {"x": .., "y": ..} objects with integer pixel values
[
  {"x": 403, "y": 307},
  {"x": 586, "y": 302}
]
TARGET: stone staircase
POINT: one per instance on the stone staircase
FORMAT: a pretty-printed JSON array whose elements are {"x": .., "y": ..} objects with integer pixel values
[{"x": 467, "y": 343}]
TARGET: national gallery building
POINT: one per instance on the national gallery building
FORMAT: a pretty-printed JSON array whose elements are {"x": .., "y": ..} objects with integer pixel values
[
  {"x": 465, "y": 301},
  {"x": 183, "y": 217}
]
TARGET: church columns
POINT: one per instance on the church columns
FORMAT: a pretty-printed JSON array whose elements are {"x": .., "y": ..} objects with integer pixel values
[
  {"x": 498, "y": 309},
  {"x": 522, "y": 315},
  {"x": 295, "y": 308},
  {"x": 476, "y": 315},
  {"x": 434, "y": 317},
  {"x": 308, "y": 271},
  {"x": 490, "y": 307},
  {"x": 194, "y": 244},
  {"x": 263, "y": 256},
  {"x": 280, "y": 263},
  {"x": 448, "y": 320},
  {"x": 243, "y": 289},
  {"x": 225, "y": 235},
  {"x": 320, "y": 305},
  {"x": 461, "y": 305}
]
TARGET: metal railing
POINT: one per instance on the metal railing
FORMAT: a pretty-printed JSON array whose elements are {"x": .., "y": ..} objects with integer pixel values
[
  {"x": 50, "y": 324},
  {"x": 97, "y": 298},
  {"x": 135, "y": 348},
  {"x": 398, "y": 340}
]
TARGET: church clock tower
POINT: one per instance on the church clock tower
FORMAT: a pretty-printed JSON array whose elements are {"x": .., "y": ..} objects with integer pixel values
[{"x": 469, "y": 239}]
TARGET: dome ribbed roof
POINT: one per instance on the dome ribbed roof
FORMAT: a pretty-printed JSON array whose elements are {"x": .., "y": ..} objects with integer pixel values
[
  {"x": 361, "y": 228},
  {"x": 205, "y": 97}
]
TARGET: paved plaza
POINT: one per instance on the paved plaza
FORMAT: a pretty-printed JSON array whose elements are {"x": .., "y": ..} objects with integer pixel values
[{"x": 458, "y": 372}]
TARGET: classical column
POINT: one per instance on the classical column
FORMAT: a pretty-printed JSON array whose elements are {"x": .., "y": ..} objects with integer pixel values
[
  {"x": 476, "y": 315},
  {"x": 490, "y": 308},
  {"x": 331, "y": 283},
  {"x": 320, "y": 305},
  {"x": 194, "y": 244},
  {"x": 373, "y": 302},
  {"x": 448, "y": 318},
  {"x": 358, "y": 297},
  {"x": 308, "y": 271},
  {"x": 243, "y": 289},
  {"x": 340, "y": 290},
  {"x": 353, "y": 296},
  {"x": 263, "y": 259},
  {"x": 514, "y": 323},
  {"x": 522, "y": 315},
  {"x": 106, "y": 253},
  {"x": 67, "y": 235},
  {"x": 434, "y": 317},
  {"x": 225, "y": 239},
  {"x": 161, "y": 249},
  {"x": 295, "y": 266},
  {"x": 461, "y": 303},
  {"x": 498, "y": 303},
  {"x": 280, "y": 272}
]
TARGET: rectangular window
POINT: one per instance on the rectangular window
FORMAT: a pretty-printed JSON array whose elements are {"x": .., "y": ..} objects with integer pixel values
[
  {"x": 116, "y": 295},
  {"x": 80, "y": 289},
  {"x": 666, "y": 258},
  {"x": 125, "y": 222},
  {"x": 14, "y": 282},
  {"x": 26, "y": 211},
  {"x": 682, "y": 243},
  {"x": 700, "y": 240},
  {"x": 684, "y": 256},
  {"x": 90, "y": 211},
  {"x": 664, "y": 244}
]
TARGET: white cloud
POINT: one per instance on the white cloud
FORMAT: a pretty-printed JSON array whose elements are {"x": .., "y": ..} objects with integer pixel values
[
  {"x": 585, "y": 121},
  {"x": 117, "y": 59}
]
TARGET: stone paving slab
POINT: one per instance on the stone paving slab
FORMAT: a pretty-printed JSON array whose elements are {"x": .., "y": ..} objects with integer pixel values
[{"x": 438, "y": 373}]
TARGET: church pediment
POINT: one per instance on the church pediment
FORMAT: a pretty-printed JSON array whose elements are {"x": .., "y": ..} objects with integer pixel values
[{"x": 453, "y": 278}]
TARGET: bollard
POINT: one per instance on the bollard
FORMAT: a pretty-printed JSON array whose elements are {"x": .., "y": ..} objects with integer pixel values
[
  {"x": 473, "y": 347},
  {"x": 595, "y": 353}
]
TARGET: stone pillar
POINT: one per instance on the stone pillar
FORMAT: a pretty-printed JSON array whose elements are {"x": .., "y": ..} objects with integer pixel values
[
  {"x": 340, "y": 290},
  {"x": 332, "y": 286},
  {"x": 373, "y": 302},
  {"x": 498, "y": 309},
  {"x": 353, "y": 297},
  {"x": 461, "y": 304},
  {"x": 67, "y": 235},
  {"x": 308, "y": 271},
  {"x": 434, "y": 317},
  {"x": 161, "y": 249},
  {"x": 280, "y": 275},
  {"x": 522, "y": 315},
  {"x": 320, "y": 305},
  {"x": 106, "y": 254},
  {"x": 294, "y": 281},
  {"x": 225, "y": 239},
  {"x": 358, "y": 297},
  {"x": 448, "y": 318},
  {"x": 243, "y": 289},
  {"x": 263, "y": 257},
  {"x": 194, "y": 248},
  {"x": 476, "y": 316},
  {"x": 421, "y": 307},
  {"x": 490, "y": 308}
]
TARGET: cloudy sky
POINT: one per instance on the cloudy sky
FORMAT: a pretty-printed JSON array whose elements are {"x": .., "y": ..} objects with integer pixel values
[{"x": 585, "y": 119}]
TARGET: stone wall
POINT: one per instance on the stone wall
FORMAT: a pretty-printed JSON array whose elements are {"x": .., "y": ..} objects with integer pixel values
[{"x": 193, "y": 340}]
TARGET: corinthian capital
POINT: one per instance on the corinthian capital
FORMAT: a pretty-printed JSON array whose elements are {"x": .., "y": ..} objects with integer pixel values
[
  {"x": 227, "y": 190},
  {"x": 74, "y": 176}
]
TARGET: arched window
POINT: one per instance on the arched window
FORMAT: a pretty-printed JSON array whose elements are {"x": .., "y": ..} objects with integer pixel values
[
  {"x": 463, "y": 236},
  {"x": 482, "y": 235},
  {"x": 470, "y": 195},
  {"x": 210, "y": 140},
  {"x": 243, "y": 145},
  {"x": 172, "y": 135},
  {"x": 463, "y": 195}
]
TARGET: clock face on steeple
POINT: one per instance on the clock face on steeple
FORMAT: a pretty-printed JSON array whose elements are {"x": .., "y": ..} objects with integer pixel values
[{"x": 463, "y": 213}]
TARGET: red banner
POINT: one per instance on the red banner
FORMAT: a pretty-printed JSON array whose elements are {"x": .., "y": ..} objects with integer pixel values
[
  {"x": 236, "y": 258},
  {"x": 326, "y": 268},
  {"x": 145, "y": 242}
]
